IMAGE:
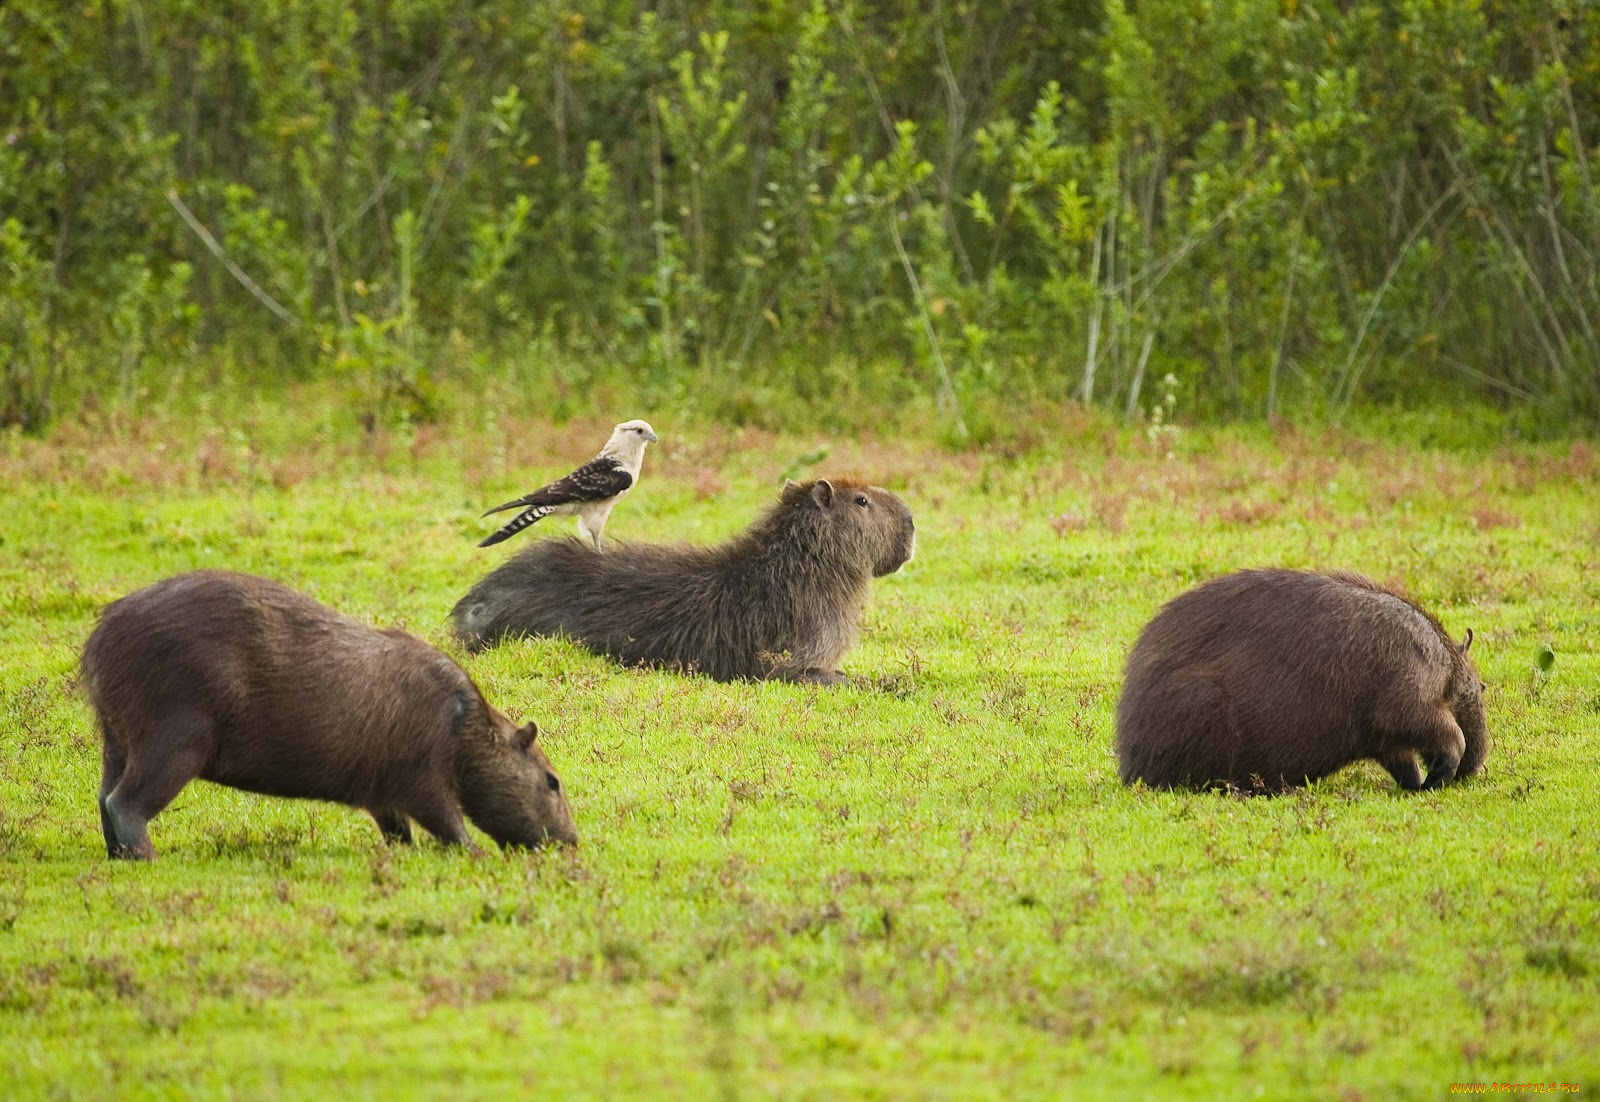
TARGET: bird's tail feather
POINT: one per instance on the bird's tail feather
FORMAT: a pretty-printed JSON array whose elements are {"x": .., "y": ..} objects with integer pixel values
[
  {"x": 507, "y": 505},
  {"x": 517, "y": 524}
]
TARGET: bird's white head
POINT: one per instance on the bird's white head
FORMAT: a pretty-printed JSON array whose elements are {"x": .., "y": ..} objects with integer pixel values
[{"x": 628, "y": 440}]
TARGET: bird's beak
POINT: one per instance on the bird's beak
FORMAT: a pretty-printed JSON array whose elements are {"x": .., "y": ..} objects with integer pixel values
[{"x": 652, "y": 437}]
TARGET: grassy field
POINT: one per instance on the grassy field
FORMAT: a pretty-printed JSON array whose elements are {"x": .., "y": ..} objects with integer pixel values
[{"x": 927, "y": 885}]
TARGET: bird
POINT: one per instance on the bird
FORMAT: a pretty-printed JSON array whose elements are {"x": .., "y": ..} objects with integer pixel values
[{"x": 588, "y": 492}]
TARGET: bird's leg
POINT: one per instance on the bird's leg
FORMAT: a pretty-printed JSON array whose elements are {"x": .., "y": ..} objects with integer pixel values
[{"x": 591, "y": 523}]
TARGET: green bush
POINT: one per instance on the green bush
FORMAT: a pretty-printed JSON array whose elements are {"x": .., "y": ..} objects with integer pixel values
[{"x": 1290, "y": 205}]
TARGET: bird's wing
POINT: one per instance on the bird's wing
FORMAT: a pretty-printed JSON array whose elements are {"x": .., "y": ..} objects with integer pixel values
[{"x": 596, "y": 480}]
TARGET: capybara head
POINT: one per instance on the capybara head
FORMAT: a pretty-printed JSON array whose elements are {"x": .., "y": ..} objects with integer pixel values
[
  {"x": 1464, "y": 695},
  {"x": 852, "y": 522},
  {"x": 508, "y": 788}
]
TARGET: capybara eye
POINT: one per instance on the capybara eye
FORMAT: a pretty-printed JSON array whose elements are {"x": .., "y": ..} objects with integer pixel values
[
  {"x": 863, "y": 502},
  {"x": 553, "y": 781}
]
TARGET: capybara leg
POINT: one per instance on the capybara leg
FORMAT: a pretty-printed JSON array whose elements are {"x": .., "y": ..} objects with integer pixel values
[
  {"x": 1441, "y": 769},
  {"x": 113, "y": 759},
  {"x": 395, "y": 826},
  {"x": 1443, "y": 751},
  {"x": 1402, "y": 766},
  {"x": 440, "y": 817},
  {"x": 153, "y": 778},
  {"x": 140, "y": 796}
]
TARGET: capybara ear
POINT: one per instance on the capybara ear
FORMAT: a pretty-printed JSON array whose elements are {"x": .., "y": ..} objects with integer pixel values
[
  {"x": 822, "y": 492},
  {"x": 1466, "y": 644},
  {"x": 525, "y": 735}
]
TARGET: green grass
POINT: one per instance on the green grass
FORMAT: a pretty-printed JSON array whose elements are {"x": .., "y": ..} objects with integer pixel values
[{"x": 932, "y": 887}]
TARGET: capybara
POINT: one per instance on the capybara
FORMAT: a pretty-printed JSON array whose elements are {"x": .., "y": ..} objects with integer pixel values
[
  {"x": 780, "y": 600},
  {"x": 242, "y": 681},
  {"x": 1266, "y": 679}
]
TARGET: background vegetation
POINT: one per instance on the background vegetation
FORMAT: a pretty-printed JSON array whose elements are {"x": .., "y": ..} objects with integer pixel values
[
  {"x": 927, "y": 885},
  {"x": 760, "y": 210},
  {"x": 281, "y": 281}
]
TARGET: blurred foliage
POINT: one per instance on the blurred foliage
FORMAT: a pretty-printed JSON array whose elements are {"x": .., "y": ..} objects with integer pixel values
[{"x": 1287, "y": 205}]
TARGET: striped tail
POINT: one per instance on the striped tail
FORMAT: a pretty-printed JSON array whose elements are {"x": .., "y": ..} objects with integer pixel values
[{"x": 517, "y": 524}]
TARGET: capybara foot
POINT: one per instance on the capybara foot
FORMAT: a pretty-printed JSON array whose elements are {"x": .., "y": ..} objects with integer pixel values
[
  {"x": 811, "y": 675},
  {"x": 395, "y": 826},
  {"x": 127, "y": 833},
  {"x": 1441, "y": 771},
  {"x": 1402, "y": 766}
]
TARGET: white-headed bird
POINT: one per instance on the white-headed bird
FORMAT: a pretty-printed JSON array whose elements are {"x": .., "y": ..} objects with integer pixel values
[{"x": 588, "y": 492}]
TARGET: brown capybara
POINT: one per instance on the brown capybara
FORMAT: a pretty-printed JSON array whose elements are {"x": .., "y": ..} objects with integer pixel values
[
  {"x": 780, "y": 600},
  {"x": 1266, "y": 679},
  {"x": 244, "y": 682}
]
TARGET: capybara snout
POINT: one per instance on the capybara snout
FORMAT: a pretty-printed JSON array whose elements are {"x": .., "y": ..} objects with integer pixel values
[
  {"x": 897, "y": 538},
  {"x": 1266, "y": 679},
  {"x": 241, "y": 681}
]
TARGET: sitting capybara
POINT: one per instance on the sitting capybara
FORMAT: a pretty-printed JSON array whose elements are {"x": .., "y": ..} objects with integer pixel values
[
  {"x": 780, "y": 600},
  {"x": 242, "y": 681},
  {"x": 1266, "y": 679}
]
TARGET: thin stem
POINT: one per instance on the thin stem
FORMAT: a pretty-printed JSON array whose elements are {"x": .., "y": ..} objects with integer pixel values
[
  {"x": 949, "y": 391},
  {"x": 1349, "y": 375},
  {"x": 234, "y": 270},
  {"x": 1283, "y": 318}
]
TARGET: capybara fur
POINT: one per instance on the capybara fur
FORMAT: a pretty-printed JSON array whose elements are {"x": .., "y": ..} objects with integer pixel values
[
  {"x": 244, "y": 682},
  {"x": 780, "y": 600},
  {"x": 1267, "y": 679}
]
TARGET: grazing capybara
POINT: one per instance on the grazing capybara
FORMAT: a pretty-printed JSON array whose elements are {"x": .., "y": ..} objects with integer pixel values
[
  {"x": 1266, "y": 679},
  {"x": 780, "y": 600},
  {"x": 244, "y": 682}
]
